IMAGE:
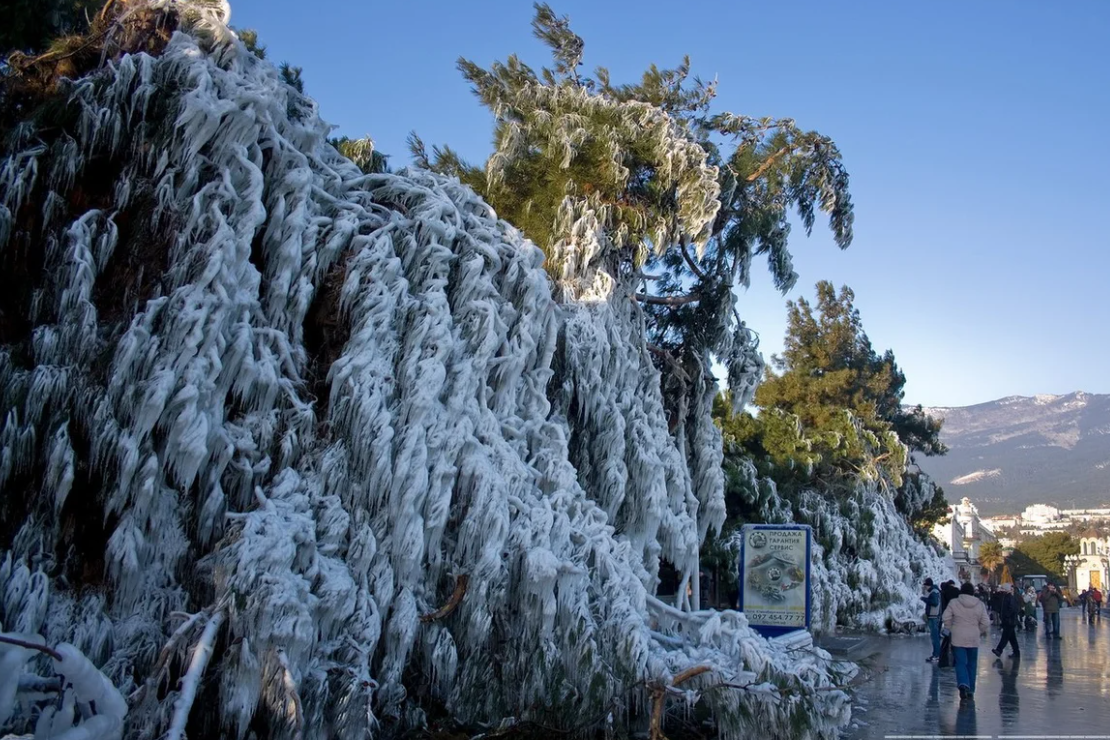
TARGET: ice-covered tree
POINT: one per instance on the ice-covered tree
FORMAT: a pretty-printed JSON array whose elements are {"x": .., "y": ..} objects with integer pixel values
[
  {"x": 686, "y": 196},
  {"x": 31, "y": 25},
  {"x": 831, "y": 446},
  {"x": 642, "y": 192},
  {"x": 846, "y": 397},
  {"x": 290, "y": 447}
]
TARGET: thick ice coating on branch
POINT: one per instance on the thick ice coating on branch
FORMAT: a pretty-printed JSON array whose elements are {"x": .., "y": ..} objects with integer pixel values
[{"x": 256, "y": 378}]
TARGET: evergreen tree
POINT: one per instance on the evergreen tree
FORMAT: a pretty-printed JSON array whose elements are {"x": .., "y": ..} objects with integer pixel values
[
  {"x": 831, "y": 414},
  {"x": 845, "y": 395},
  {"x": 363, "y": 153},
  {"x": 1047, "y": 552},
  {"x": 677, "y": 198},
  {"x": 30, "y": 25}
]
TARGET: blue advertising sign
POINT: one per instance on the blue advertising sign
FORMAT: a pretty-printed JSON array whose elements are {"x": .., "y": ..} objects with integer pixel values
[{"x": 774, "y": 577}]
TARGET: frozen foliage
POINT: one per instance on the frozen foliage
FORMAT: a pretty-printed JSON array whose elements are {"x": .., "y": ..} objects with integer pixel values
[
  {"x": 867, "y": 564},
  {"x": 298, "y": 408},
  {"x": 90, "y": 706}
]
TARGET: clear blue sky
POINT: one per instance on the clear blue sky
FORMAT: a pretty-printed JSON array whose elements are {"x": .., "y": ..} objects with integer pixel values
[{"x": 977, "y": 135}]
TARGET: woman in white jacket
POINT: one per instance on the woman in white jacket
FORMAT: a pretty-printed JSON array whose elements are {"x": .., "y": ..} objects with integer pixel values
[{"x": 966, "y": 618}]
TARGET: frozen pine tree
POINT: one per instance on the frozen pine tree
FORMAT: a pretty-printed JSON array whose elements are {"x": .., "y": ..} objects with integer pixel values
[
  {"x": 294, "y": 447},
  {"x": 643, "y": 193}
]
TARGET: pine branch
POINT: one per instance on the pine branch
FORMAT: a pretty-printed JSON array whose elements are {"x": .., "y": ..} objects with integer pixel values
[
  {"x": 678, "y": 300},
  {"x": 690, "y": 260},
  {"x": 759, "y": 172}
]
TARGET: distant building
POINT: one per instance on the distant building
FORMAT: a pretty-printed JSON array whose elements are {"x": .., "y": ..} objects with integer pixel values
[
  {"x": 1040, "y": 514},
  {"x": 1085, "y": 515},
  {"x": 998, "y": 523},
  {"x": 1038, "y": 519},
  {"x": 1093, "y": 563},
  {"x": 963, "y": 535}
]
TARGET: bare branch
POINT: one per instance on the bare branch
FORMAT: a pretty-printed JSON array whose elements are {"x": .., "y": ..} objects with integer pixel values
[
  {"x": 671, "y": 362},
  {"x": 291, "y": 695},
  {"x": 658, "y": 701},
  {"x": 694, "y": 268},
  {"x": 678, "y": 300},
  {"x": 202, "y": 653},
  {"x": 452, "y": 603},
  {"x": 31, "y": 646},
  {"x": 759, "y": 172},
  {"x": 690, "y": 673},
  {"x": 161, "y": 665}
]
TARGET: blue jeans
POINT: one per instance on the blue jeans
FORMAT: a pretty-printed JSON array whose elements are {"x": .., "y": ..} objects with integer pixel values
[
  {"x": 934, "y": 632},
  {"x": 967, "y": 666},
  {"x": 1052, "y": 623}
]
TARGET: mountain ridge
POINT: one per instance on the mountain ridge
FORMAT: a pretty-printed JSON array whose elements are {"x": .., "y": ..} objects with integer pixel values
[{"x": 1017, "y": 450}]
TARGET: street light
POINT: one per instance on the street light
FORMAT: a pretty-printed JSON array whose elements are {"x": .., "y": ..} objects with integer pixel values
[{"x": 1071, "y": 562}]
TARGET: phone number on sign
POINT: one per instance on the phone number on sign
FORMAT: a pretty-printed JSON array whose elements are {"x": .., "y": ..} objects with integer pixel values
[{"x": 758, "y": 616}]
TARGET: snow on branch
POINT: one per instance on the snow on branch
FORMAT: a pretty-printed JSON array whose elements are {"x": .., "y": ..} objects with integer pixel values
[{"x": 308, "y": 396}]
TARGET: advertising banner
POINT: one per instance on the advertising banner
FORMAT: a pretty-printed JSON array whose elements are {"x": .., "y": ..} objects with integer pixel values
[{"x": 774, "y": 577}]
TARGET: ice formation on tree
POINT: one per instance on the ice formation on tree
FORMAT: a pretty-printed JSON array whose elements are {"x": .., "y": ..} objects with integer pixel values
[
  {"x": 867, "y": 564},
  {"x": 299, "y": 408}
]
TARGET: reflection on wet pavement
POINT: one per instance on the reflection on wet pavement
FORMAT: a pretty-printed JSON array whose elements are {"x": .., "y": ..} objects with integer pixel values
[{"x": 1057, "y": 687}]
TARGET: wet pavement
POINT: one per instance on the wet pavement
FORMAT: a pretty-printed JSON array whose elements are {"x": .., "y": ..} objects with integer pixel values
[{"x": 1058, "y": 688}]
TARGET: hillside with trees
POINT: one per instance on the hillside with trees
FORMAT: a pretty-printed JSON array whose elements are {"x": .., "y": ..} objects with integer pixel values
[{"x": 1012, "y": 452}]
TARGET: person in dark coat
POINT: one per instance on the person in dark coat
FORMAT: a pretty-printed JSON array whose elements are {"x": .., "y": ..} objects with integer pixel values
[
  {"x": 931, "y": 599},
  {"x": 1051, "y": 600},
  {"x": 948, "y": 591},
  {"x": 995, "y": 604},
  {"x": 1008, "y": 614}
]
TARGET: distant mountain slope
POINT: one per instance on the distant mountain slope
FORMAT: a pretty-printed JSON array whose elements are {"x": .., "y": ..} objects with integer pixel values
[{"x": 1015, "y": 451}]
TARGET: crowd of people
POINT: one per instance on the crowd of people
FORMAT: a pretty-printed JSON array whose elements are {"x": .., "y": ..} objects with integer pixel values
[{"x": 960, "y": 617}]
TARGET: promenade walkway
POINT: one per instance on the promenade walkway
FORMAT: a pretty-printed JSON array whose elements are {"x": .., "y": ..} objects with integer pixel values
[{"x": 1058, "y": 689}]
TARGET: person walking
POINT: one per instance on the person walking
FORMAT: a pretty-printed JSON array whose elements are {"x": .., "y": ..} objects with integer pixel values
[
  {"x": 1083, "y": 599},
  {"x": 1096, "y": 595},
  {"x": 932, "y": 617},
  {"x": 1090, "y": 605},
  {"x": 948, "y": 591},
  {"x": 995, "y": 605},
  {"x": 1051, "y": 600},
  {"x": 1009, "y": 612},
  {"x": 1030, "y": 608},
  {"x": 966, "y": 618}
]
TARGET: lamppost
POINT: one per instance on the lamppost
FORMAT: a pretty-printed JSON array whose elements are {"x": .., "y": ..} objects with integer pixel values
[{"x": 1071, "y": 562}]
